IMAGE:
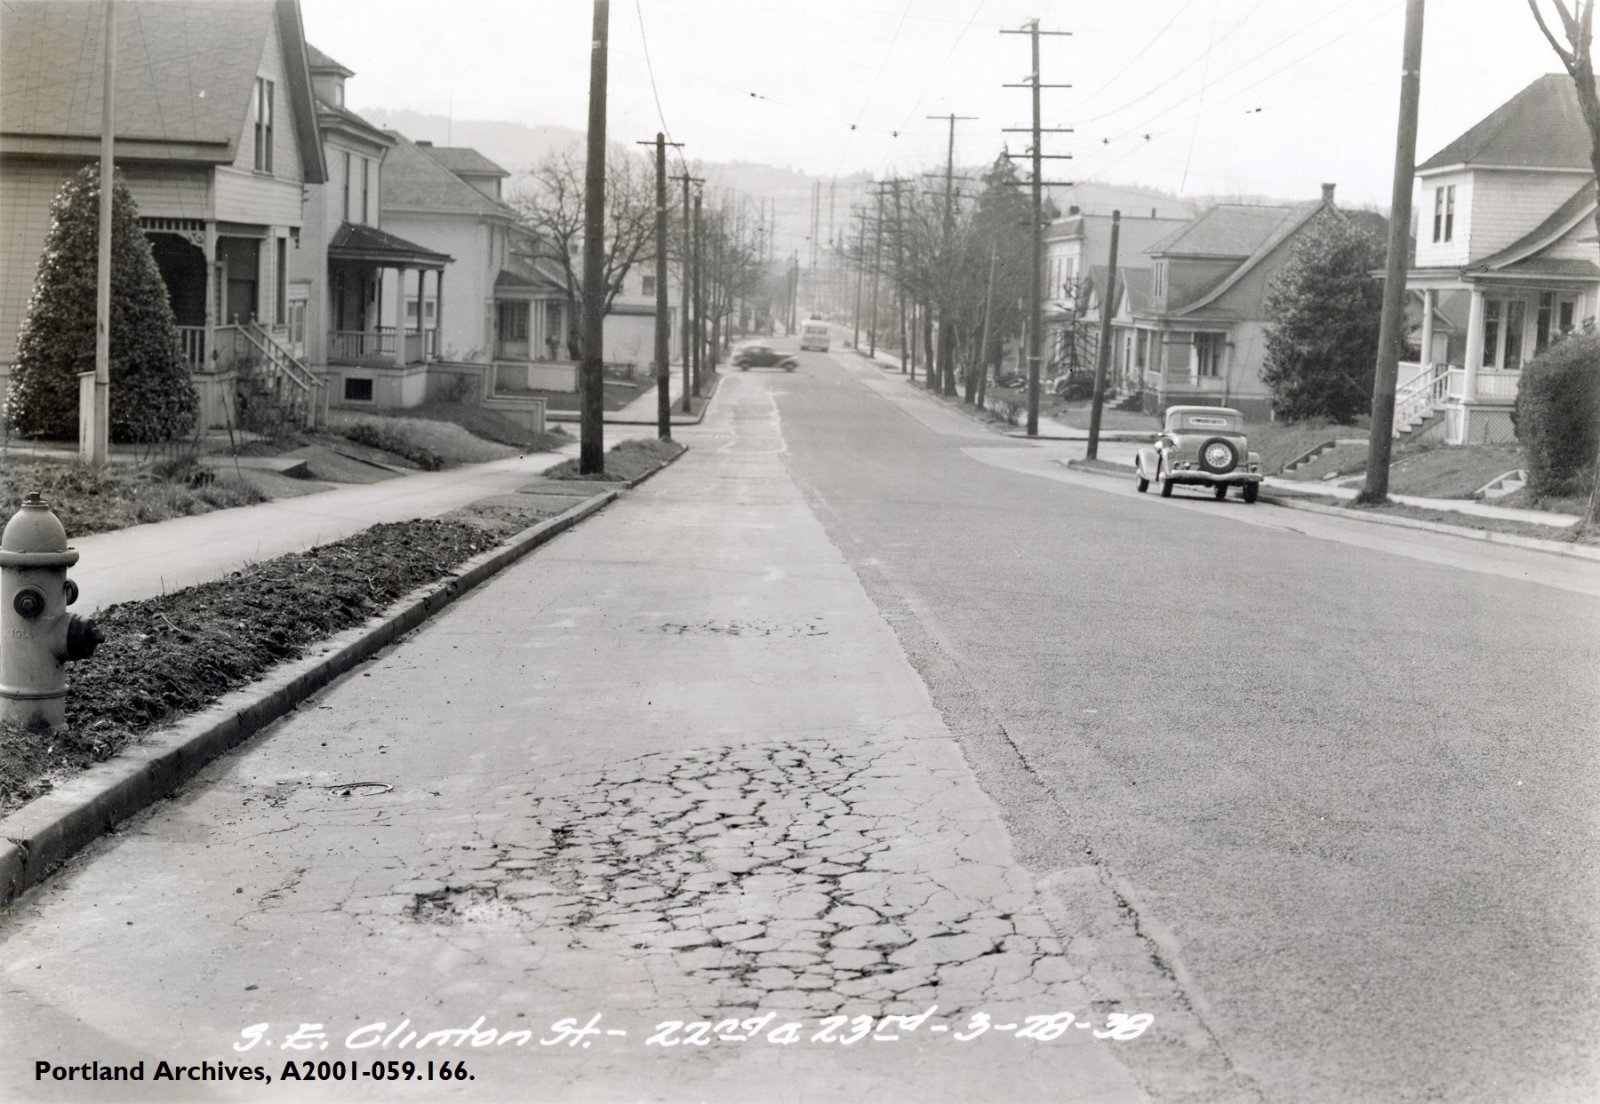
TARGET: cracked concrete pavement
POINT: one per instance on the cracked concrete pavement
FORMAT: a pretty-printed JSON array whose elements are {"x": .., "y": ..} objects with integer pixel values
[{"x": 673, "y": 767}]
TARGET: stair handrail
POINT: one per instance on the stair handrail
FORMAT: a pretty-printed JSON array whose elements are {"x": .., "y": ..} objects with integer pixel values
[
  {"x": 1418, "y": 395},
  {"x": 281, "y": 359}
]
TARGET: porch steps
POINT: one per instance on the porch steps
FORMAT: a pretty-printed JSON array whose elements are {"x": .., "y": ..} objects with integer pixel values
[
  {"x": 1416, "y": 427},
  {"x": 281, "y": 392}
]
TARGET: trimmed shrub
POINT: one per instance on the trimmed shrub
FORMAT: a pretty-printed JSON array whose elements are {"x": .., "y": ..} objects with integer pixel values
[
  {"x": 152, "y": 398},
  {"x": 1558, "y": 416}
]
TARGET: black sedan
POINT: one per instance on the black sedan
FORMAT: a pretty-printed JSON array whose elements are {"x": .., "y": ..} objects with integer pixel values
[{"x": 757, "y": 355}]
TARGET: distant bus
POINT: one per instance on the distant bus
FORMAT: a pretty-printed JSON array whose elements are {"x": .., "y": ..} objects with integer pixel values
[{"x": 815, "y": 334}]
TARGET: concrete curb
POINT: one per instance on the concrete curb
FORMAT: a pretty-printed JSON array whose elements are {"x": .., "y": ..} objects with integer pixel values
[
  {"x": 1558, "y": 548},
  {"x": 45, "y": 832}
]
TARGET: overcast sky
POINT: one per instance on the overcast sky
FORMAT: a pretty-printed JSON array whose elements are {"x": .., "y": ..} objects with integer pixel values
[{"x": 1197, "y": 96}]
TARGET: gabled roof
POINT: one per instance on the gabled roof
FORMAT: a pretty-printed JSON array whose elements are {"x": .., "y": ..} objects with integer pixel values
[
  {"x": 1540, "y": 127},
  {"x": 462, "y": 159},
  {"x": 356, "y": 242},
  {"x": 1135, "y": 285},
  {"x": 1578, "y": 207},
  {"x": 415, "y": 181},
  {"x": 322, "y": 63},
  {"x": 184, "y": 76},
  {"x": 1232, "y": 230},
  {"x": 1293, "y": 218}
]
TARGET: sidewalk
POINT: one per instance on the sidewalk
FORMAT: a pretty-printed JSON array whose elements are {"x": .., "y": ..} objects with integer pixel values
[
  {"x": 642, "y": 409},
  {"x": 147, "y": 560}
]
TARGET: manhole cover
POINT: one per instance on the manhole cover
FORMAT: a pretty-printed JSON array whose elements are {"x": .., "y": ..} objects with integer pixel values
[{"x": 360, "y": 789}]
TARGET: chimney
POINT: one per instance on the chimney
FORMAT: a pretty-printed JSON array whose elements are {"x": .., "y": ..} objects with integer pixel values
[{"x": 1327, "y": 195}]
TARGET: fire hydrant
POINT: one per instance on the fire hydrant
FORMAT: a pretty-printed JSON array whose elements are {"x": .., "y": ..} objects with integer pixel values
[{"x": 38, "y": 637}]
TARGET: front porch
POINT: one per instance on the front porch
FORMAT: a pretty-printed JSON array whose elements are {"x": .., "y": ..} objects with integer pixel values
[{"x": 530, "y": 326}]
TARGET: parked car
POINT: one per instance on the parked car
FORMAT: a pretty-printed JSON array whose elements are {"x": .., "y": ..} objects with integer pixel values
[
  {"x": 1204, "y": 446},
  {"x": 759, "y": 355}
]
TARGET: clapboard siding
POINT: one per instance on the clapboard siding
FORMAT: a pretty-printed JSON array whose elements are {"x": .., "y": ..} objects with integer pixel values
[
  {"x": 285, "y": 148},
  {"x": 256, "y": 199},
  {"x": 1456, "y": 251},
  {"x": 1507, "y": 205},
  {"x": 26, "y": 191},
  {"x": 169, "y": 191}
]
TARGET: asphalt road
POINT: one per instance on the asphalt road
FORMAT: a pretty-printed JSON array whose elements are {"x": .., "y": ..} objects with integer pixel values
[{"x": 1339, "y": 778}]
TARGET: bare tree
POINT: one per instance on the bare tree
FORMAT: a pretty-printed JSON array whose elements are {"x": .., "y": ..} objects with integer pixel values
[
  {"x": 1577, "y": 56},
  {"x": 551, "y": 204}
]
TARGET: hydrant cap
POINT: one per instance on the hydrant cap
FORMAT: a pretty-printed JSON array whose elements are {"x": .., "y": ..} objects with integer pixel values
[{"x": 34, "y": 528}]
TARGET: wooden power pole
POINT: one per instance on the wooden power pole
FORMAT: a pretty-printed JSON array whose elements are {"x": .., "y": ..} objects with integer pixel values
[
  {"x": 1036, "y": 291},
  {"x": 1392, "y": 326},
  {"x": 663, "y": 323},
  {"x": 591, "y": 425},
  {"x": 1108, "y": 305}
]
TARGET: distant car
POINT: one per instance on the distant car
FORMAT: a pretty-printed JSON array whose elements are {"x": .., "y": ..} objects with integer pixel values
[
  {"x": 815, "y": 334},
  {"x": 758, "y": 355},
  {"x": 1200, "y": 445}
]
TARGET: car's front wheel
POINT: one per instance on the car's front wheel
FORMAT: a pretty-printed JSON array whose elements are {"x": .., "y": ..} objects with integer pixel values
[
  {"x": 1143, "y": 483},
  {"x": 1166, "y": 483}
]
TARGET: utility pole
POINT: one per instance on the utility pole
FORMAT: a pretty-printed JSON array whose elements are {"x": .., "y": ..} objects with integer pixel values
[
  {"x": 900, "y": 276},
  {"x": 684, "y": 290},
  {"x": 1392, "y": 325},
  {"x": 591, "y": 426},
  {"x": 94, "y": 388},
  {"x": 861, "y": 258},
  {"x": 1108, "y": 304},
  {"x": 663, "y": 323},
  {"x": 699, "y": 299},
  {"x": 946, "y": 354},
  {"x": 1035, "y": 319},
  {"x": 877, "y": 261}
]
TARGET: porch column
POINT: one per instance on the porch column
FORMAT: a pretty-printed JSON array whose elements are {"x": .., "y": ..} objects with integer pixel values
[
  {"x": 400, "y": 316},
  {"x": 422, "y": 316},
  {"x": 1427, "y": 327},
  {"x": 212, "y": 306},
  {"x": 438, "y": 311},
  {"x": 1474, "y": 356}
]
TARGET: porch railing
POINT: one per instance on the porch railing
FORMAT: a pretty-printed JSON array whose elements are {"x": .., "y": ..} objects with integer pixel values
[
  {"x": 360, "y": 346},
  {"x": 192, "y": 347},
  {"x": 1422, "y": 389},
  {"x": 1490, "y": 386}
]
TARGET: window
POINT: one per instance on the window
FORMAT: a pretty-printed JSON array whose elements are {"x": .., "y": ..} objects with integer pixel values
[
  {"x": 513, "y": 321},
  {"x": 263, "y": 120},
  {"x": 1516, "y": 314},
  {"x": 347, "y": 185},
  {"x": 1438, "y": 213},
  {"x": 1140, "y": 347},
  {"x": 357, "y": 390},
  {"x": 296, "y": 335},
  {"x": 647, "y": 286},
  {"x": 1161, "y": 280},
  {"x": 280, "y": 309},
  {"x": 1504, "y": 321},
  {"x": 1449, "y": 213},
  {"x": 1208, "y": 349},
  {"x": 428, "y": 311},
  {"x": 366, "y": 180}
]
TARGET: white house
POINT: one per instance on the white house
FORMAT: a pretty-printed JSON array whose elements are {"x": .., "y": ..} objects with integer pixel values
[{"x": 1506, "y": 249}]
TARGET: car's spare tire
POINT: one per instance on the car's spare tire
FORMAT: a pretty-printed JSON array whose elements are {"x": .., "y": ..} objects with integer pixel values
[{"x": 1219, "y": 456}]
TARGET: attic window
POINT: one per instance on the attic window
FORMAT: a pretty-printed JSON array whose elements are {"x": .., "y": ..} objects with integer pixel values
[{"x": 263, "y": 114}]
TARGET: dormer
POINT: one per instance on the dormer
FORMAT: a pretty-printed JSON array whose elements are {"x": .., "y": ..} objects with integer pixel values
[
  {"x": 327, "y": 76},
  {"x": 470, "y": 166}
]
